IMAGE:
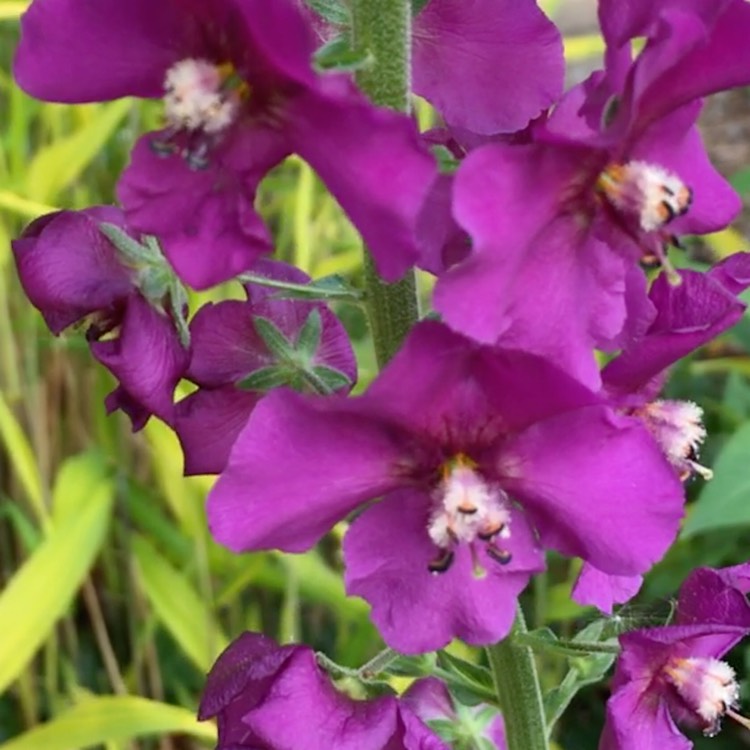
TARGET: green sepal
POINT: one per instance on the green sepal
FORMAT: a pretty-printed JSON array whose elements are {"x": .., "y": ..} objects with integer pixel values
[
  {"x": 154, "y": 276},
  {"x": 338, "y": 55},
  {"x": 265, "y": 379},
  {"x": 446, "y": 161},
  {"x": 421, "y": 665},
  {"x": 327, "y": 287},
  {"x": 278, "y": 344},
  {"x": 417, "y": 6},
  {"x": 132, "y": 250},
  {"x": 308, "y": 338},
  {"x": 470, "y": 683},
  {"x": 334, "y": 380},
  {"x": 334, "y": 11}
]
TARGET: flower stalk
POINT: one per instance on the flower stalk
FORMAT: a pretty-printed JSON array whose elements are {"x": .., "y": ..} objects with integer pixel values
[
  {"x": 517, "y": 685},
  {"x": 383, "y": 29}
]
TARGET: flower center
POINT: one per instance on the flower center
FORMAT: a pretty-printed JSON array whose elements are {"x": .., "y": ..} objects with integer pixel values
[
  {"x": 201, "y": 100},
  {"x": 199, "y": 95},
  {"x": 467, "y": 509},
  {"x": 707, "y": 687},
  {"x": 677, "y": 427},
  {"x": 650, "y": 193}
]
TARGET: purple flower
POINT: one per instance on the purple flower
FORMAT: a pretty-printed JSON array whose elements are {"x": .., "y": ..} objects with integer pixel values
[
  {"x": 227, "y": 350},
  {"x": 477, "y": 454},
  {"x": 488, "y": 66},
  {"x": 686, "y": 316},
  {"x": 239, "y": 95},
  {"x": 271, "y": 697},
  {"x": 463, "y": 726},
  {"x": 673, "y": 675},
  {"x": 129, "y": 300},
  {"x": 611, "y": 176}
]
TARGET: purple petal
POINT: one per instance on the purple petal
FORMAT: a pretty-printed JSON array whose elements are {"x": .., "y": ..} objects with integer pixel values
[
  {"x": 73, "y": 51},
  {"x": 689, "y": 58},
  {"x": 602, "y": 590},
  {"x": 607, "y": 496},
  {"x": 488, "y": 66},
  {"x": 429, "y": 698},
  {"x": 733, "y": 273},
  {"x": 715, "y": 596},
  {"x": 621, "y": 21},
  {"x": 441, "y": 382},
  {"x": 244, "y": 669},
  {"x": 299, "y": 466},
  {"x": 68, "y": 268},
  {"x": 303, "y": 698},
  {"x": 204, "y": 218},
  {"x": 637, "y": 723},
  {"x": 381, "y": 181},
  {"x": 675, "y": 143},
  {"x": 387, "y": 553},
  {"x": 443, "y": 242},
  {"x": 688, "y": 315},
  {"x": 207, "y": 423},
  {"x": 240, "y": 680},
  {"x": 147, "y": 357}
]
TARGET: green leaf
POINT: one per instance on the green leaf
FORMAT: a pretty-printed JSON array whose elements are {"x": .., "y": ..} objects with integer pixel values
[
  {"x": 178, "y": 606},
  {"x": 584, "y": 670},
  {"x": 334, "y": 11},
  {"x": 97, "y": 720},
  {"x": 77, "y": 479},
  {"x": 308, "y": 338},
  {"x": 337, "y": 55},
  {"x": 43, "y": 588},
  {"x": 333, "y": 380},
  {"x": 740, "y": 181},
  {"x": 22, "y": 458},
  {"x": 265, "y": 379},
  {"x": 725, "y": 500},
  {"x": 273, "y": 338},
  {"x": 59, "y": 164},
  {"x": 470, "y": 683}
]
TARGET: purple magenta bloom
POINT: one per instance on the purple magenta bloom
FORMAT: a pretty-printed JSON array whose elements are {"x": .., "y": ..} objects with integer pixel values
[
  {"x": 611, "y": 176},
  {"x": 72, "y": 272},
  {"x": 468, "y": 726},
  {"x": 240, "y": 94},
  {"x": 479, "y": 455},
  {"x": 673, "y": 675},
  {"x": 686, "y": 316},
  {"x": 488, "y": 66},
  {"x": 227, "y": 349},
  {"x": 271, "y": 697}
]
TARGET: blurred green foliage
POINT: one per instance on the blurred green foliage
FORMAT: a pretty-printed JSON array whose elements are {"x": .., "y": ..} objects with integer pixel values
[{"x": 115, "y": 600}]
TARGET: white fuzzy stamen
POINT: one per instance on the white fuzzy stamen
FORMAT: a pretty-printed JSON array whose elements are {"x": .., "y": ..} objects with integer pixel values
[
  {"x": 708, "y": 686},
  {"x": 467, "y": 507},
  {"x": 677, "y": 427},
  {"x": 196, "y": 97},
  {"x": 653, "y": 194}
]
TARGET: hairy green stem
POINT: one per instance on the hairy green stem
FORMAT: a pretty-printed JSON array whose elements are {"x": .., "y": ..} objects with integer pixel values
[
  {"x": 383, "y": 28},
  {"x": 517, "y": 685}
]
